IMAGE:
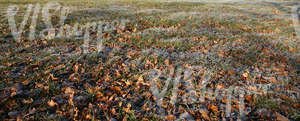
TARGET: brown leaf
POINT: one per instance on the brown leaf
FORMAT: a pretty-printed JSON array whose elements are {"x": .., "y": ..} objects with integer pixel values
[
  {"x": 127, "y": 109},
  {"x": 220, "y": 86},
  {"x": 231, "y": 72},
  {"x": 27, "y": 101},
  {"x": 273, "y": 80},
  {"x": 51, "y": 103},
  {"x": 53, "y": 78},
  {"x": 69, "y": 90},
  {"x": 116, "y": 89},
  {"x": 141, "y": 79},
  {"x": 283, "y": 97},
  {"x": 167, "y": 62},
  {"x": 113, "y": 111},
  {"x": 205, "y": 51},
  {"x": 103, "y": 99},
  {"x": 74, "y": 77},
  {"x": 213, "y": 108},
  {"x": 248, "y": 98},
  {"x": 170, "y": 117},
  {"x": 245, "y": 75},
  {"x": 76, "y": 67},
  {"x": 204, "y": 114},
  {"x": 291, "y": 49},
  {"x": 281, "y": 117}
]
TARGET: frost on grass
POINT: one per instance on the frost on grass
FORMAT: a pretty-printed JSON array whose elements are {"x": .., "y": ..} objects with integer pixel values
[{"x": 237, "y": 45}]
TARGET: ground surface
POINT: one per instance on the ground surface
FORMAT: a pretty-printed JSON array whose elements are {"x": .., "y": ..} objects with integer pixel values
[{"x": 236, "y": 43}]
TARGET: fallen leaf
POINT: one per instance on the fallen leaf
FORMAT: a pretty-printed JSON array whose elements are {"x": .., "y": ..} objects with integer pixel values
[
  {"x": 141, "y": 79},
  {"x": 280, "y": 117},
  {"x": 69, "y": 90},
  {"x": 220, "y": 86},
  {"x": 167, "y": 62},
  {"x": 170, "y": 117},
  {"x": 273, "y": 80},
  {"x": 51, "y": 103},
  {"x": 204, "y": 114},
  {"x": 74, "y": 77},
  {"x": 27, "y": 101},
  {"x": 213, "y": 108},
  {"x": 283, "y": 97},
  {"x": 116, "y": 89},
  {"x": 231, "y": 72},
  {"x": 248, "y": 98},
  {"x": 76, "y": 68},
  {"x": 245, "y": 75}
]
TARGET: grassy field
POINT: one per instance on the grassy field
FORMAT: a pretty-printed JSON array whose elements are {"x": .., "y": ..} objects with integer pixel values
[{"x": 236, "y": 43}]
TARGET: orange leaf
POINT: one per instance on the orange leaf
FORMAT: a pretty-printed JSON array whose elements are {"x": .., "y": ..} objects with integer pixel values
[
  {"x": 213, "y": 108},
  {"x": 170, "y": 117},
  {"x": 167, "y": 62},
  {"x": 281, "y": 117},
  {"x": 245, "y": 75},
  {"x": 76, "y": 68},
  {"x": 51, "y": 103},
  {"x": 116, "y": 89},
  {"x": 204, "y": 114},
  {"x": 248, "y": 98}
]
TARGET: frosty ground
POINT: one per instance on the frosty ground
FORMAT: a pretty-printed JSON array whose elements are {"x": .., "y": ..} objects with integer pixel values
[{"x": 235, "y": 43}]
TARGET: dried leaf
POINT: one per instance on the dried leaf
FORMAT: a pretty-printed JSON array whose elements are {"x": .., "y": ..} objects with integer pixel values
[
  {"x": 248, "y": 98},
  {"x": 213, "y": 108},
  {"x": 170, "y": 117},
  {"x": 69, "y": 90},
  {"x": 204, "y": 114},
  {"x": 51, "y": 103},
  {"x": 76, "y": 67},
  {"x": 167, "y": 62},
  {"x": 245, "y": 75},
  {"x": 281, "y": 117},
  {"x": 116, "y": 89}
]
